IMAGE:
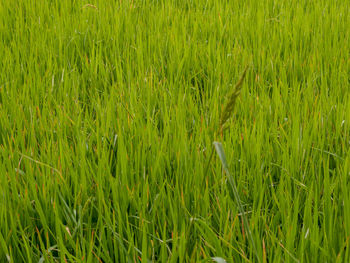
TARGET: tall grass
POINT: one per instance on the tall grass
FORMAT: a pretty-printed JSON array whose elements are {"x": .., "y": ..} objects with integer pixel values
[{"x": 108, "y": 111}]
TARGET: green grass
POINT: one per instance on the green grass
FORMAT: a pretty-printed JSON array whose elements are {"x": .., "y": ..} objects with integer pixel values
[{"x": 108, "y": 114}]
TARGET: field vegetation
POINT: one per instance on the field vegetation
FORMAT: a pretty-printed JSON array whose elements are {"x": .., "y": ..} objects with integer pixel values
[{"x": 109, "y": 110}]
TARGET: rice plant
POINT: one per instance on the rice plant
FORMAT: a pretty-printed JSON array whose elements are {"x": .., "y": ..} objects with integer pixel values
[{"x": 109, "y": 110}]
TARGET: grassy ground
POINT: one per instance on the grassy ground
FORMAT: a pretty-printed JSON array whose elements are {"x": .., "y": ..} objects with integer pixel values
[{"x": 108, "y": 114}]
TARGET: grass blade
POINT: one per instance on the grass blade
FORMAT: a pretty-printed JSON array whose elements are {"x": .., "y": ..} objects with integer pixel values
[{"x": 221, "y": 153}]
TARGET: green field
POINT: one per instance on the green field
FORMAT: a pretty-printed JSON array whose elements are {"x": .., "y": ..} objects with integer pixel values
[{"x": 108, "y": 114}]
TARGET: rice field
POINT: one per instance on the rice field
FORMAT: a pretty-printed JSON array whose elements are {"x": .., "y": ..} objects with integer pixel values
[{"x": 174, "y": 131}]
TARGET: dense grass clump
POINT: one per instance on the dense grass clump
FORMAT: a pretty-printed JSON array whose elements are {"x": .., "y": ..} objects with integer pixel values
[{"x": 108, "y": 114}]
